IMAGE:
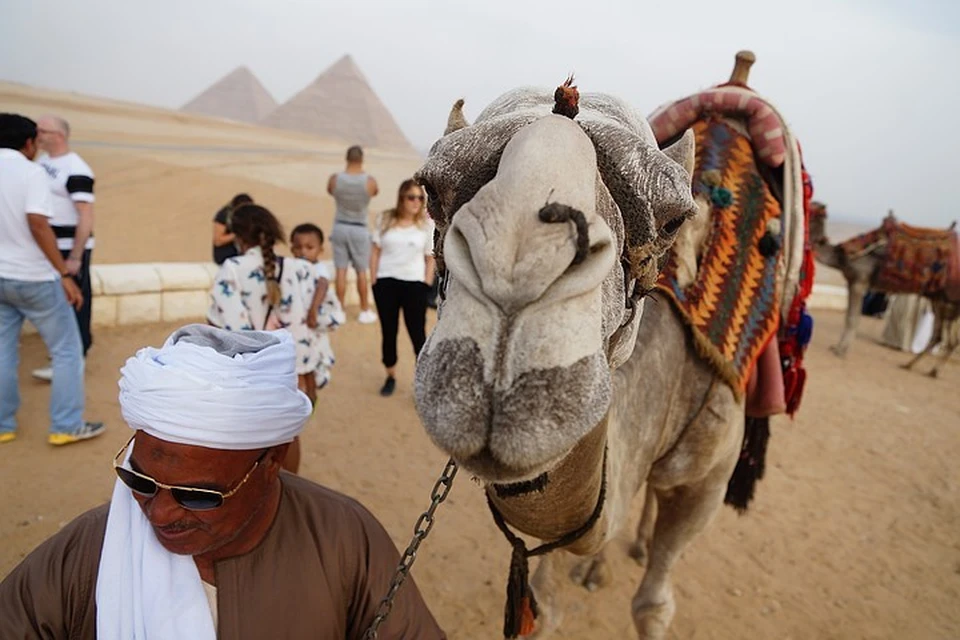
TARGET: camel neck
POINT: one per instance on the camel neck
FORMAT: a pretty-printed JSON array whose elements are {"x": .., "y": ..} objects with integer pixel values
[{"x": 568, "y": 498}]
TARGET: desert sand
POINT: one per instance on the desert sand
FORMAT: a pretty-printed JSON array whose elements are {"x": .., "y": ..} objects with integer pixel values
[{"x": 853, "y": 533}]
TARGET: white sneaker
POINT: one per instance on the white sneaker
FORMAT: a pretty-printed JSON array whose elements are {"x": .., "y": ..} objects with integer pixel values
[
  {"x": 367, "y": 317},
  {"x": 46, "y": 373}
]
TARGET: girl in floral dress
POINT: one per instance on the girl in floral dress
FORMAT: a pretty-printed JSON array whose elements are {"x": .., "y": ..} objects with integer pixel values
[{"x": 258, "y": 290}]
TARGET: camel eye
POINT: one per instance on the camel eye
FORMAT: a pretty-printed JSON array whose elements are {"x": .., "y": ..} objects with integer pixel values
[
  {"x": 673, "y": 226},
  {"x": 430, "y": 191}
]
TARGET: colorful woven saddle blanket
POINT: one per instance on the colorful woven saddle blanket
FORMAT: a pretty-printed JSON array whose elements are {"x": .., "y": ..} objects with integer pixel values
[
  {"x": 732, "y": 306},
  {"x": 921, "y": 261}
]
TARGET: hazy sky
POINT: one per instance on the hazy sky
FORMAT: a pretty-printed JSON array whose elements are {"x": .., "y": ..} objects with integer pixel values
[{"x": 871, "y": 88}]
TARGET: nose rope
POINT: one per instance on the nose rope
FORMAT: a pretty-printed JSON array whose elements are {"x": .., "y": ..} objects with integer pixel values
[{"x": 555, "y": 212}]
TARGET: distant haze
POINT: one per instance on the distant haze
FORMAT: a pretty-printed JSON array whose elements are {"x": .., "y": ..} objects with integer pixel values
[{"x": 870, "y": 88}]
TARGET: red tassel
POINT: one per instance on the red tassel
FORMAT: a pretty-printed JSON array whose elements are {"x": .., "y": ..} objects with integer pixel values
[
  {"x": 521, "y": 606},
  {"x": 527, "y": 617}
]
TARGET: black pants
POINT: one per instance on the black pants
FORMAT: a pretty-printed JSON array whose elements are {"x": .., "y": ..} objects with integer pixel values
[
  {"x": 392, "y": 295},
  {"x": 83, "y": 313}
]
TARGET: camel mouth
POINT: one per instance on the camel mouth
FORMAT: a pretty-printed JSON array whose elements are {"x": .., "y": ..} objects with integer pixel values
[
  {"x": 515, "y": 433},
  {"x": 489, "y": 470},
  {"x": 522, "y": 488}
]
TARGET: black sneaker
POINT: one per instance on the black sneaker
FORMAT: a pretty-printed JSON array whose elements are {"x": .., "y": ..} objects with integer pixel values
[{"x": 388, "y": 387}]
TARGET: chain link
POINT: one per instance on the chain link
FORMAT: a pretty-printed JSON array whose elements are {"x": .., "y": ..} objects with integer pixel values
[{"x": 420, "y": 531}]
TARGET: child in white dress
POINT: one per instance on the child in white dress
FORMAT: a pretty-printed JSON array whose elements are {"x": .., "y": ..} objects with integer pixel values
[{"x": 306, "y": 243}]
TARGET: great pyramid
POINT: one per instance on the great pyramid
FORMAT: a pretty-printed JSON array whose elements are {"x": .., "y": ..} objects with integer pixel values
[
  {"x": 236, "y": 96},
  {"x": 339, "y": 104}
]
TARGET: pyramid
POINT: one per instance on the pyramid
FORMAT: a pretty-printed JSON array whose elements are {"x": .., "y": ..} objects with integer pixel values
[
  {"x": 339, "y": 104},
  {"x": 236, "y": 96}
]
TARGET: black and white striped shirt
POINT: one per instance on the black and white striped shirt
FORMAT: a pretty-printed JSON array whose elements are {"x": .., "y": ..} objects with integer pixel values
[{"x": 71, "y": 181}]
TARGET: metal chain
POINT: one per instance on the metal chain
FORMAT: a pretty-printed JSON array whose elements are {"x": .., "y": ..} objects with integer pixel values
[{"x": 420, "y": 531}]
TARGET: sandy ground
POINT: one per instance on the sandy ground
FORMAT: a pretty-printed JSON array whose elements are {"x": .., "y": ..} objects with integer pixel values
[{"x": 853, "y": 533}]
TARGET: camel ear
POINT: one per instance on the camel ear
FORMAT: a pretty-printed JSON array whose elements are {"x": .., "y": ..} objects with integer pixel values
[
  {"x": 456, "y": 119},
  {"x": 683, "y": 152}
]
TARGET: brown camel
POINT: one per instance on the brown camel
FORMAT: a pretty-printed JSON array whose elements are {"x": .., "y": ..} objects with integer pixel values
[
  {"x": 862, "y": 269},
  {"x": 549, "y": 375}
]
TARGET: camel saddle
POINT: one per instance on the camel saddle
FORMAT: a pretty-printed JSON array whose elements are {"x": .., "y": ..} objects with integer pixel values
[
  {"x": 733, "y": 306},
  {"x": 920, "y": 261}
]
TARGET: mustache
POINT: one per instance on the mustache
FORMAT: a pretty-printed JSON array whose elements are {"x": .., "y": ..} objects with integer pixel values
[{"x": 178, "y": 527}]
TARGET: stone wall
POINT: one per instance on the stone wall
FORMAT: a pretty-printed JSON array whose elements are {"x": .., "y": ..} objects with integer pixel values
[{"x": 145, "y": 293}]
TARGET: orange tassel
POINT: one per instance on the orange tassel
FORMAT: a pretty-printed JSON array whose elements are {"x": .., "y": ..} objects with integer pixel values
[{"x": 527, "y": 617}]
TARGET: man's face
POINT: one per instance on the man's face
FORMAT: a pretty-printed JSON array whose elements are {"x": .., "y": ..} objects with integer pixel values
[
  {"x": 49, "y": 134},
  {"x": 30, "y": 149},
  {"x": 186, "y": 532}
]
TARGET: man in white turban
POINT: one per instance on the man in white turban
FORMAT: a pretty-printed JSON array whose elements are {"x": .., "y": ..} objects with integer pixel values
[{"x": 205, "y": 536}]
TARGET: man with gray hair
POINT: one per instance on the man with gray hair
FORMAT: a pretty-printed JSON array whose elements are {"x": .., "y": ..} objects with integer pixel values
[
  {"x": 352, "y": 190},
  {"x": 205, "y": 536},
  {"x": 71, "y": 189}
]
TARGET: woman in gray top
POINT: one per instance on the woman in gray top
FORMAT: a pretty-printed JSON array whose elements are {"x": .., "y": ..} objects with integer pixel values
[{"x": 352, "y": 190}]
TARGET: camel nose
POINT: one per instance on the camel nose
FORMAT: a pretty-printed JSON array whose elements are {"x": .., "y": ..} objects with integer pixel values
[{"x": 515, "y": 260}]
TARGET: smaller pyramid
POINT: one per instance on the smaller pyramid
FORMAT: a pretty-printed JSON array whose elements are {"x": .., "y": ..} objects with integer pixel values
[
  {"x": 340, "y": 105},
  {"x": 236, "y": 96}
]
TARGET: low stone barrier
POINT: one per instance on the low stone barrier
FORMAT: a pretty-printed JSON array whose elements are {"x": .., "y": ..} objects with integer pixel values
[
  {"x": 828, "y": 296},
  {"x": 144, "y": 293}
]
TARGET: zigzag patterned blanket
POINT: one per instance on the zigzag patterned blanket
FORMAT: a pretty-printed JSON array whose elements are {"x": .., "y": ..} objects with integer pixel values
[{"x": 733, "y": 307}]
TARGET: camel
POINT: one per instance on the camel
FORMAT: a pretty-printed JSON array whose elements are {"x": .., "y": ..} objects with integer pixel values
[
  {"x": 557, "y": 374},
  {"x": 862, "y": 270}
]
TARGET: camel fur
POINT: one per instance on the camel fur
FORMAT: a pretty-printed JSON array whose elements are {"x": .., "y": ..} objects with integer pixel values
[{"x": 539, "y": 365}]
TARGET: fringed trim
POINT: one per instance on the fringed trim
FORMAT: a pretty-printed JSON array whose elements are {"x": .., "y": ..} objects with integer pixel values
[
  {"x": 709, "y": 352},
  {"x": 751, "y": 465}
]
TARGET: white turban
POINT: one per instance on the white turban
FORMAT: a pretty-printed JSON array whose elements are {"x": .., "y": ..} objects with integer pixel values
[
  {"x": 213, "y": 388},
  {"x": 205, "y": 387}
]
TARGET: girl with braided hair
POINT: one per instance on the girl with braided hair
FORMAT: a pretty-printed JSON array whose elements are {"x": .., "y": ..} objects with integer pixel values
[{"x": 258, "y": 290}]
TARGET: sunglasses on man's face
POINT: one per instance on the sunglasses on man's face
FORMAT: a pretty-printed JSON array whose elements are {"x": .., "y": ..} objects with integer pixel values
[
  {"x": 190, "y": 498},
  {"x": 413, "y": 197}
]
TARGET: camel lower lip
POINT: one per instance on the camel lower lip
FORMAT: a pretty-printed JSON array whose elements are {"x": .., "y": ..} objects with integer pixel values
[{"x": 489, "y": 469}]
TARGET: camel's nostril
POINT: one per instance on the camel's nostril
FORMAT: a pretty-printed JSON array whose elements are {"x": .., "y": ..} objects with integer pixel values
[{"x": 556, "y": 212}]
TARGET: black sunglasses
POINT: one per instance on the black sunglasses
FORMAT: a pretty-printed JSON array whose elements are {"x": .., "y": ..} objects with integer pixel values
[
  {"x": 412, "y": 197},
  {"x": 190, "y": 498}
]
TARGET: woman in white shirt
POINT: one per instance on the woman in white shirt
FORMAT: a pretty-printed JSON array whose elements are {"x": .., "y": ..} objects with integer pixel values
[{"x": 402, "y": 271}]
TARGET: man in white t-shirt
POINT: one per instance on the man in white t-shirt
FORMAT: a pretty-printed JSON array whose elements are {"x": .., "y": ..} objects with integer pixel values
[
  {"x": 34, "y": 286},
  {"x": 71, "y": 189}
]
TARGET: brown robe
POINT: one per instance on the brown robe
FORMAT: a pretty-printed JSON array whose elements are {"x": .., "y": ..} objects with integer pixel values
[{"x": 319, "y": 573}]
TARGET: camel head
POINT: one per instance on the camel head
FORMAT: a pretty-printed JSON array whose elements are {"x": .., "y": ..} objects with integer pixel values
[
  {"x": 553, "y": 214},
  {"x": 818, "y": 225}
]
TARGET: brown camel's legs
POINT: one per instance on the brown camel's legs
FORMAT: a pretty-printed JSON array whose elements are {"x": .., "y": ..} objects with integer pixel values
[
  {"x": 953, "y": 337},
  {"x": 934, "y": 341},
  {"x": 682, "y": 514},
  {"x": 641, "y": 547},
  {"x": 856, "y": 291}
]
